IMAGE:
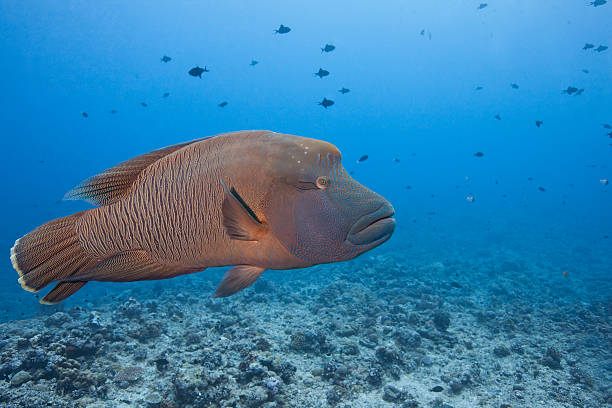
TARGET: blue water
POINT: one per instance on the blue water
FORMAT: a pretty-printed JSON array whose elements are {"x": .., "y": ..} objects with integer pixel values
[{"x": 412, "y": 98}]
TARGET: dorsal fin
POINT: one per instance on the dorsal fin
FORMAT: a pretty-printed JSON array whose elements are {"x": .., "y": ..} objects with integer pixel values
[{"x": 112, "y": 184}]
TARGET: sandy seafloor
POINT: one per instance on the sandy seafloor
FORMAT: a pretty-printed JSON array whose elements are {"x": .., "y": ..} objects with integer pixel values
[{"x": 491, "y": 320}]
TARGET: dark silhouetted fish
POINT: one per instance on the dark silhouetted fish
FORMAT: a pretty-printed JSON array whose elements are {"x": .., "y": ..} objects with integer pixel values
[
  {"x": 322, "y": 73},
  {"x": 252, "y": 200},
  {"x": 166, "y": 58},
  {"x": 586, "y": 71},
  {"x": 344, "y": 90},
  {"x": 479, "y": 154},
  {"x": 610, "y": 134},
  {"x": 396, "y": 160},
  {"x": 580, "y": 91},
  {"x": 84, "y": 114},
  {"x": 514, "y": 86},
  {"x": 497, "y": 117},
  {"x": 539, "y": 123},
  {"x": 144, "y": 104},
  {"x": 597, "y": 3},
  {"x": 479, "y": 88},
  {"x": 328, "y": 48},
  {"x": 222, "y": 104},
  {"x": 408, "y": 187},
  {"x": 166, "y": 94},
  {"x": 601, "y": 48},
  {"x": 326, "y": 103},
  {"x": 113, "y": 111},
  {"x": 606, "y": 126},
  {"x": 542, "y": 189},
  {"x": 363, "y": 158},
  {"x": 197, "y": 71},
  {"x": 282, "y": 30},
  {"x": 530, "y": 178},
  {"x": 456, "y": 285},
  {"x": 588, "y": 46},
  {"x": 482, "y": 5},
  {"x": 570, "y": 90},
  {"x": 253, "y": 63},
  {"x": 423, "y": 32},
  {"x": 439, "y": 388}
]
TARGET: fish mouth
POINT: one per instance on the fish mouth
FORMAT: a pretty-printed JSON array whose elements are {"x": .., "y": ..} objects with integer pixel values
[{"x": 374, "y": 228}]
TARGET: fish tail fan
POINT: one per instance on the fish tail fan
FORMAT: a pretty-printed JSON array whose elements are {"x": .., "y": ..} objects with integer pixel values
[{"x": 51, "y": 252}]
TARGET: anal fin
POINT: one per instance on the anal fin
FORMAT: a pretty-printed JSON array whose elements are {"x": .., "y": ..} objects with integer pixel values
[
  {"x": 130, "y": 266},
  {"x": 238, "y": 278},
  {"x": 60, "y": 292}
]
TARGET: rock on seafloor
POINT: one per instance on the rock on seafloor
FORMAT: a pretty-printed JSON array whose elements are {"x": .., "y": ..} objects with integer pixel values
[{"x": 337, "y": 336}]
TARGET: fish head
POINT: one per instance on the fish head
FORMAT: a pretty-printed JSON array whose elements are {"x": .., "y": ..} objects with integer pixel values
[{"x": 318, "y": 212}]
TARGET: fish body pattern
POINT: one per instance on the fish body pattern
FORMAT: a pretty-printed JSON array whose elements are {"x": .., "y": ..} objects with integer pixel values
[{"x": 286, "y": 203}]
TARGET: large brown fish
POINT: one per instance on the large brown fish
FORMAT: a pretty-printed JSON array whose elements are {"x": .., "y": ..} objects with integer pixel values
[{"x": 255, "y": 199}]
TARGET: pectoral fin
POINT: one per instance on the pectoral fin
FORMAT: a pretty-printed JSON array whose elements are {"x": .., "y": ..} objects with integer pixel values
[
  {"x": 238, "y": 219},
  {"x": 238, "y": 278}
]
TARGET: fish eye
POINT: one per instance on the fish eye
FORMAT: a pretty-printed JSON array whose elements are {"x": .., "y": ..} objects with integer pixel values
[{"x": 322, "y": 182}]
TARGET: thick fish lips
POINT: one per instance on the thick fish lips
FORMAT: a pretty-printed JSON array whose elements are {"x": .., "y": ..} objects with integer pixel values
[{"x": 373, "y": 229}]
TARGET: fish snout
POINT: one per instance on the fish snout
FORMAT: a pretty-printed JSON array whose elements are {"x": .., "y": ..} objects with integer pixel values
[{"x": 373, "y": 228}]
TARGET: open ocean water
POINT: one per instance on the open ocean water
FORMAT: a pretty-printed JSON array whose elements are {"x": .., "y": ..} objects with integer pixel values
[{"x": 487, "y": 126}]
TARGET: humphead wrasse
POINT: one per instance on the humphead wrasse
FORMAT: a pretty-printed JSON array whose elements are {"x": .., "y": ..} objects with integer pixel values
[{"x": 255, "y": 200}]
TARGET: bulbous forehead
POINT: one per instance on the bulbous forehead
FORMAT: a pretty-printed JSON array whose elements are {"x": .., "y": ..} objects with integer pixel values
[{"x": 301, "y": 155}]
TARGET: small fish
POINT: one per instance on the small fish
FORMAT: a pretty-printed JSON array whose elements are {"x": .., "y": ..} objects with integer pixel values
[
  {"x": 482, "y": 5},
  {"x": 470, "y": 199},
  {"x": 604, "y": 181},
  {"x": 166, "y": 58},
  {"x": 363, "y": 158},
  {"x": 396, "y": 160},
  {"x": 344, "y": 91},
  {"x": 282, "y": 30},
  {"x": 322, "y": 73},
  {"x": 586, "y": 71},
  {"x": 328, "y": 48},
  {"x": 253, "y": 63},
  {"x": 456, "y": 285},
  {"x": 112, "y": 112},
  {"x": 580, "y": 91},
  {"x": 197, "y": 71},
  {"x": 570, "y": 90},
  {"x": 565, "y": 274},
  {"x": 598, "y": 3},
  {"x": 479, "y": 88},
  {"x": 408, "y": 187},
  {"x": 588, "y": 46},
  {"x": 439, "y": 388},
  {"x": 166, "y": 94},
  {"x": 326, "y": 103},
  {"x": 514, "y": 86},
  {"x": 601, "y": 48},
  {"x": 530, "y": 178},
  {"x": 423, "y": 32},
  {"x": 144, "y": 105},
  {"x": 606, "y": 126},
  {"x": 610, "y": 134},
  {"x": 539, "y": 123},
  {"x": 497, "y": 117},
  {"x": 84, "y": 114},
  {"x": 542, "y": 189},
  {"x": 222, "y": 104},
  {"x": 429, "y": 35},
  {"x": 479, "y": 154}
]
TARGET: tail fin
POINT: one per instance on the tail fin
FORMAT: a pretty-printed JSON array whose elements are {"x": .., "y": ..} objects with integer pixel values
[{"x": 50, "y": 253}]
